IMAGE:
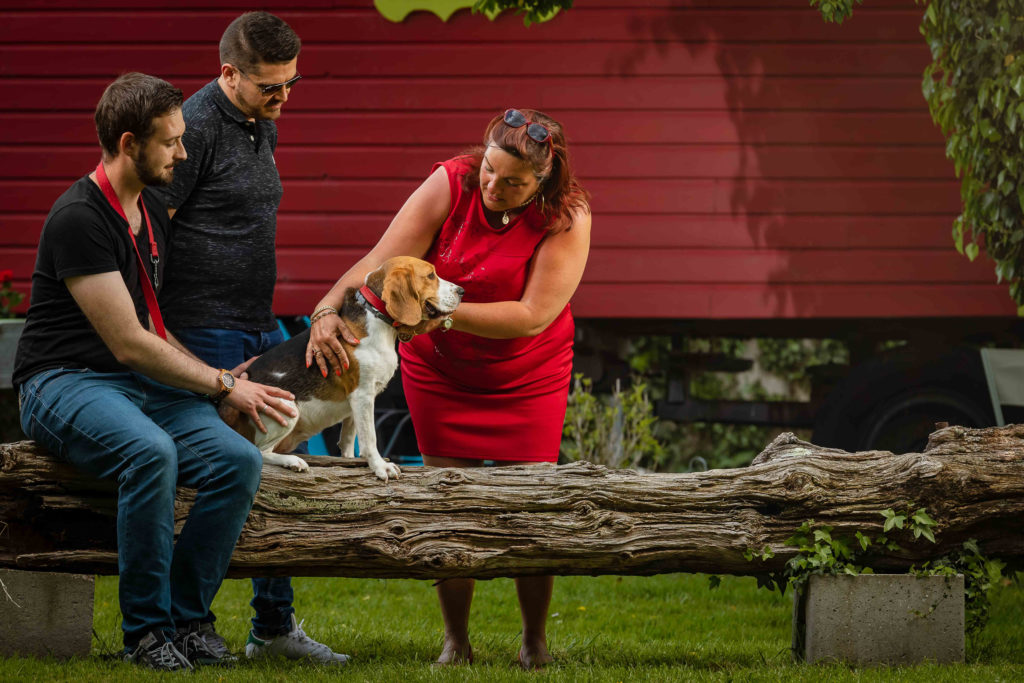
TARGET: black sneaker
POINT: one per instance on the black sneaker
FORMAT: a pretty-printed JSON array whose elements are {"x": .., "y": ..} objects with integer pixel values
[
  {"x": 153, "y": 652},
  {"x": 216, "y": 643},
  {"x": 191, "y": 643}
]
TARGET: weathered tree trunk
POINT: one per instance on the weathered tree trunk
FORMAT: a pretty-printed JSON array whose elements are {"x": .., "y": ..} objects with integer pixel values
[{"x": 339, "y": 520}]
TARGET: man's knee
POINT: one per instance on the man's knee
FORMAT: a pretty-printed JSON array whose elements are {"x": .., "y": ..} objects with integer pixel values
[
  {"x": 244, "y": 464},
  {"x": 150, "y": 459}
]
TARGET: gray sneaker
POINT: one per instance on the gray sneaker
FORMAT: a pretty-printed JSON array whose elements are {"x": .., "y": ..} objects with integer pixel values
[
  {"x": 292, "y": 645},
  {"x": 192, "y": 642},
  {"x": 156, "y": 653}
]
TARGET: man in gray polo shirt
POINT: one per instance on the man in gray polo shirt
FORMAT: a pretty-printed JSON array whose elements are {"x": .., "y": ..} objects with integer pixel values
[{"x": 220, "y": 283}]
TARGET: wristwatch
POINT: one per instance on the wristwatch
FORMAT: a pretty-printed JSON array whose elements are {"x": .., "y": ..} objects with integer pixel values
[{"x": 227, "y": 383}]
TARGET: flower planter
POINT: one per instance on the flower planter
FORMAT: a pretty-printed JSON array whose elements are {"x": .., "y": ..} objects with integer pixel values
[
  {"x": 10, "y": 333},
  {"x": 880, "y": 619}
]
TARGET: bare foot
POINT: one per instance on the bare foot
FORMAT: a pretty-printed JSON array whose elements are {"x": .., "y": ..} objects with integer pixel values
[
  {"x": 453, "y": 654},
  {"x": 531, "y": 659}
]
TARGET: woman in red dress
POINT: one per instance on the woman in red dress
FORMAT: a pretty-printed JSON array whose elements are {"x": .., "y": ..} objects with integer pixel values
[{"x": 511, "y": 225}]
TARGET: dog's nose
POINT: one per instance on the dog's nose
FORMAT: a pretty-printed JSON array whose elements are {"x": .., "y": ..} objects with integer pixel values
[{"x": 459, "y": 290}]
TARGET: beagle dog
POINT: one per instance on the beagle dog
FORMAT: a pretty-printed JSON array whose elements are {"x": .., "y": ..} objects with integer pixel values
[{"x": 402, "y": 298}]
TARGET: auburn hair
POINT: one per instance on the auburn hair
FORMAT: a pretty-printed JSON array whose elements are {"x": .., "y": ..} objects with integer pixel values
[{"x": 561, "y": 193}]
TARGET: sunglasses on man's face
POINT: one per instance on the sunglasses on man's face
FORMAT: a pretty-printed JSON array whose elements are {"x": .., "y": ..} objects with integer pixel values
[
  {"x": 538, "y": 133},
  {"x": 273, "y": 88}
]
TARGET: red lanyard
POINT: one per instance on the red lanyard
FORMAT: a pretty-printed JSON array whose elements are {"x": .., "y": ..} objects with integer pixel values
[{"x": 148, "y": 289}]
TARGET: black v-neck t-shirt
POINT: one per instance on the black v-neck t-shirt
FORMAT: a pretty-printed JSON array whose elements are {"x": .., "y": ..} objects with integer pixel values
[{"x": 83, "y": 235}]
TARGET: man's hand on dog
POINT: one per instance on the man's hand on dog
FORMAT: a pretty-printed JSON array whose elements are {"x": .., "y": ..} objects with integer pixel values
[{"x": 257, "y": 400}]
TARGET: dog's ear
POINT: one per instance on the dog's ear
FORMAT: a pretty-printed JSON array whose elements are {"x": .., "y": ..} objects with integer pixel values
[{"x": 400, "y": 297}]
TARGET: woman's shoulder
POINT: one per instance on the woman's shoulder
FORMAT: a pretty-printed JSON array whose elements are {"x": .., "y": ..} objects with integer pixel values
[{"x": 457, "y": 166}]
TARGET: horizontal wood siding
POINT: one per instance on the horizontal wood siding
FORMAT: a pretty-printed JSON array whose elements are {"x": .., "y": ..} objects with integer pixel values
[{"x": 747, "y": 160}]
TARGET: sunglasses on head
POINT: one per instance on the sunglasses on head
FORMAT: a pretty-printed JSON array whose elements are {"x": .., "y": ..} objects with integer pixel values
[
  {"x": 538, "y": 133},
  {"x": 273, "y": 87}
]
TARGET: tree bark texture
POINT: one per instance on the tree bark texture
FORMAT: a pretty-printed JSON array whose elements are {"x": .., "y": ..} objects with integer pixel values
[{"x": 340, "y": 520}]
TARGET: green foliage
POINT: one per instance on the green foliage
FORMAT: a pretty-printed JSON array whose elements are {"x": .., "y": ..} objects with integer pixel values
[
  {"x": 533, "y": 11},
  {"x": 9, "y": 297},
  {"x": 616, "y": 431},
  {"x": 981, "y": 575},
  {"x": 791, "y": 358},
  {"x": 975, "y": 92},
  {"x": 835, "y": 11},
  {"x": 782, "y": 375},
  {"x": 821, "y": 553}
]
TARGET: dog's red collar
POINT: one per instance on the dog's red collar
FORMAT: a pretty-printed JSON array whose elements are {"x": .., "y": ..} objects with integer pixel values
[{"x": 376, "y": 305}]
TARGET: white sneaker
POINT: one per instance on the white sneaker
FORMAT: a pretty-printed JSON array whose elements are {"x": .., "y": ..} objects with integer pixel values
[{"x": 292, "y": 645}]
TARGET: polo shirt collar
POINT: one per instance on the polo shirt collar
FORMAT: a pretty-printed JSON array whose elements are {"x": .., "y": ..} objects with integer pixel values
[{"x": 226, "y": 105}]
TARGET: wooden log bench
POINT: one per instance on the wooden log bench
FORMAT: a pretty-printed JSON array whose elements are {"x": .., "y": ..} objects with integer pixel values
[{"x": 575, "y": 519}]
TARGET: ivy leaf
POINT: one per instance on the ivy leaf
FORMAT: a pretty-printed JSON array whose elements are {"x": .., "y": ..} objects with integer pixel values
[
  {"x": 1018, "y": 85},
  {"x": 921, "y": 517},
  {"x": 863, "y": 540},
  {"x": 971, "y": 251}
]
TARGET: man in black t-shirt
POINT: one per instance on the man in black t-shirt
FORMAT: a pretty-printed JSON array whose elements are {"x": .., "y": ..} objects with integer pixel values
[{"x": 104, "y": 387}]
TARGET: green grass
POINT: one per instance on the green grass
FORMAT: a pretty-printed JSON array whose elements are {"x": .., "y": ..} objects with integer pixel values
[{"x": 661, "y": 628}]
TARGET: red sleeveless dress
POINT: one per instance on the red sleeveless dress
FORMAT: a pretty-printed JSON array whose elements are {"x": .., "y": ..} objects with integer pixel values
[{"x": 487, "y": 399}]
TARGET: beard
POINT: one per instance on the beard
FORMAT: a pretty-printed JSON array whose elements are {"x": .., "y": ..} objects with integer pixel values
[
  {"x": 149, "y": 176},
  {"x": 258, "y": 109}
]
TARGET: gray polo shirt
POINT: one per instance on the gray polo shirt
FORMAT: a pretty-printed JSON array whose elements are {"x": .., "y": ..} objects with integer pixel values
[{"x": 221, "y": 267}]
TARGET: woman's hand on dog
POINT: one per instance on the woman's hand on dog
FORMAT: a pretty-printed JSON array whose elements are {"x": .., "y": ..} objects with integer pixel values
[
  {"x": 325, "y": 347},
  {"x": 258, "y": 400}
]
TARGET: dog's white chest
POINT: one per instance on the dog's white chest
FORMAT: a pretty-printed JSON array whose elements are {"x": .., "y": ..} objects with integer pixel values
[{"x": 377, "y": 359}]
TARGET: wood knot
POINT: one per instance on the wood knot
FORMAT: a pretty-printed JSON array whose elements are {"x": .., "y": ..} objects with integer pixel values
[
  {"x": 452, "y": 476},
  {"x": 397, "y": 530},
  {"x": 584, "y": 508},
  {"x": 797, "y": 480},
  {"x": 8, "y": 457}
]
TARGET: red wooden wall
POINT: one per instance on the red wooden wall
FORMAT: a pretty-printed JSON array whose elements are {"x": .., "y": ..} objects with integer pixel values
[{"x": 746, "y": 160}]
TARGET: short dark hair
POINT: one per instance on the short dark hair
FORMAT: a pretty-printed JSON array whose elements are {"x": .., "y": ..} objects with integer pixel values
[
  {"x": 130, "y": 104},
  {"x": 258, "y": 37}
]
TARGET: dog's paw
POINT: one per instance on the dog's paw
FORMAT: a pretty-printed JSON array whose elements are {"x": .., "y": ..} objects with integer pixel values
[
  {"x": 386, "y": 470},
  {"x": 294, "y": 463}
]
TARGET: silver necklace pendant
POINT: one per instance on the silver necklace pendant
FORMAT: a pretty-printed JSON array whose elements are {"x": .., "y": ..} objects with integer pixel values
[{"x": 504, "y": 218}]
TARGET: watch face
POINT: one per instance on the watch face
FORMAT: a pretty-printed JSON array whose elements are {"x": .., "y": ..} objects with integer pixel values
[{"x": 228, "y": 379}]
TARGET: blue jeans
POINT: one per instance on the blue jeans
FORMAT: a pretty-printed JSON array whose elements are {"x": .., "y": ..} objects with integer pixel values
[
  {"x": 151, "y": 438},
  {"x": 272, "y": 597}
]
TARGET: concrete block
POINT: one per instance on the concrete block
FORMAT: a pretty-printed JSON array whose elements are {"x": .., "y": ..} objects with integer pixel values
[
  {"x": 45, "y": 614},
  {"x": 880, "y": 619}
]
